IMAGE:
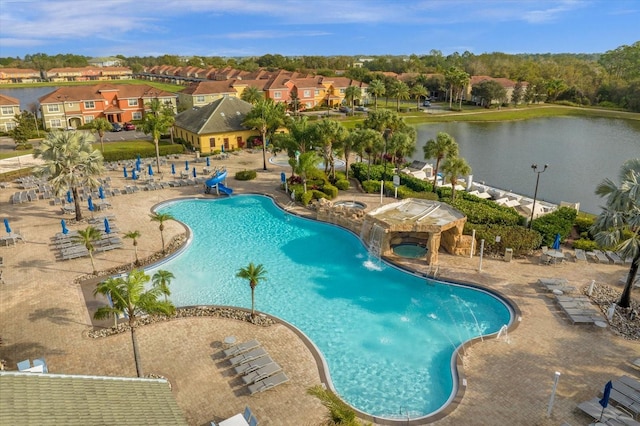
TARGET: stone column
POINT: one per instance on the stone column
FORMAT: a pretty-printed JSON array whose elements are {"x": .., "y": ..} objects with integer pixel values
[{"x": 433, "y": 246}]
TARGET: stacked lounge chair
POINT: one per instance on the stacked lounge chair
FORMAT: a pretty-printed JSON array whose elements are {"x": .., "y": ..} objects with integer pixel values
[
  {"x": 624, "y": 404},
  {"x": 261, "y": 373},
  {"x": 268, "y": 383},
  {"x": 248, "y": 356},
  {"x": 258, "y": 370},
  {"x": 249, "y": 366},
  {"x": 240, "y": 348}
]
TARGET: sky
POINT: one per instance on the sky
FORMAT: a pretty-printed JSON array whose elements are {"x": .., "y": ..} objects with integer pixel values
[{"x": 239, "y": 28}]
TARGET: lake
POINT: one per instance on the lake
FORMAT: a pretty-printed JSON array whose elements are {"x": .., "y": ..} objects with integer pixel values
[
  {"x": 28, "y": 95},
  {"x": 581, "y": 152}
]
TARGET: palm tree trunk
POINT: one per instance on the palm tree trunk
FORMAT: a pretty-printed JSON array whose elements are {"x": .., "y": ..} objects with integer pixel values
[
  {"x": 135, "y": 249},
  {"x": 253, "y": 301},
  {"x": 435, "y": 174},
  {"x": 102, "y": 142},
  {"x": 76, "y": 203},
  {"x": 157, "y": 144},
  {"x": 264, "y": 150},
  {"x": 625, "y": 298},
  {"x": 136, "y": 356},
  {"x": 162, "y": 238},
  {"x": 93, "y": 266}
]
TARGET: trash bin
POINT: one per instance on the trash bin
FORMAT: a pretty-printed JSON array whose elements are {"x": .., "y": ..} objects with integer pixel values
[{"x": 508, "y": 254}]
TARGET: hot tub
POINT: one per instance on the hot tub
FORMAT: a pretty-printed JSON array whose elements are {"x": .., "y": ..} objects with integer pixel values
[{"x": 411, "y": 251}]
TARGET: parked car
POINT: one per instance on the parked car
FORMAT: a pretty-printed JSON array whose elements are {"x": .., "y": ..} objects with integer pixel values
[
  {"x": 362, "y": 108},
  {"x": 426, "y": 103},
  {"x": 128, "y": 126},
  {"x": 344, "y": 109},
  {"x": 116, "y": 127}
]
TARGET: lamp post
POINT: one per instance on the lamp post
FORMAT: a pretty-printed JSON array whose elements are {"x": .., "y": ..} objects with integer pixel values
[
  {"x": 535, "y": 193},
  {"x": 63, "y": 99}
]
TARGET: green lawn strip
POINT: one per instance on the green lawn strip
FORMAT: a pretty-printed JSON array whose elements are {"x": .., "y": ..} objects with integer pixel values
[{"x": 173, "y": 88}]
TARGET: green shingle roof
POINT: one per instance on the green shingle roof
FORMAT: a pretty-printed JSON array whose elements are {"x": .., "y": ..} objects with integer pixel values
[
  {"x": 223, "y": 115},
  {"x": 56, "y": 399}
]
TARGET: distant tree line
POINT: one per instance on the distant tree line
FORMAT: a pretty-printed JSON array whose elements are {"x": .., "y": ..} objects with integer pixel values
[{"x": 610, "y": 79}]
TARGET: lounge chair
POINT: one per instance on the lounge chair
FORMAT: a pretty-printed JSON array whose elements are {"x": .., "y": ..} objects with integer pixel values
[
  {"x": 248, "y": 356},
  {"x": 635, "y": 362},
  {"x": 268, "y": 383},
  {"x": 609, "y": 415},
  {"x": 261, "y": 373},
  {"x": 255, "y": 364},
  {"x": 24, "y": 365},
  {"x": 41, "y": 361},
  {"x": 240, "y": 348}
]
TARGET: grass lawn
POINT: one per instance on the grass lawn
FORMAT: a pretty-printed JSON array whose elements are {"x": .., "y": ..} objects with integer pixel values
[{"x": 173, "y": 88}]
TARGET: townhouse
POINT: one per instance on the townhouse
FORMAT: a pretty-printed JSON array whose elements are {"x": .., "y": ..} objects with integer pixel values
[
  {"x": 9, "y": 108},
  {"x": 56, "y": 75},
  {"x": 19, "y": 75},
  {"x": 74, "y": 106}
]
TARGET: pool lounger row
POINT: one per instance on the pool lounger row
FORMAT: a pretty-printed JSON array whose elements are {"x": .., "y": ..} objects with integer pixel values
[
  {"x": 249, "y": 366},
  {"x": 268, "y": 383},
  {"x": 261, "y": 373},
  {"x": 248, "y": 356},
  {"x": 240, "y": 348}
]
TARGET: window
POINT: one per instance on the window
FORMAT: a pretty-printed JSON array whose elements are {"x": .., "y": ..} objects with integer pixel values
[
  {"x": 307, "y": 93},
  {"x": 317, "y": 92},
  {"x": 88, "y": 119},
  {"x": 133, "y": 102},
  {"x": 342, "y": 91},
  {"x": 200, "y": 99},
  {"x": 53, "y": 108},
  {"x": 56, "y": 122},
  {"x": 7, "y": 110},
  {"x": 277, "y": 95},
  {"x": 212, "y": 142},
  {"x": 10, "y": 125},
  {"x": 137, "y": 115},
  {"x": 89, "y": 104}
]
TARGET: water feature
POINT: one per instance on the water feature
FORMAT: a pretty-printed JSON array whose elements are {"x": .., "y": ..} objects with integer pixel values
[
  {"x": 581, "y": 152},
  {"x": 383, "y": 332}
]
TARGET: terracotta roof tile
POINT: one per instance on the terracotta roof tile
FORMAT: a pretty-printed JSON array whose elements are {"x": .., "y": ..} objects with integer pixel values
[
  {"x": 223, "y": 115},
  {"x": 8, "y": 100}
]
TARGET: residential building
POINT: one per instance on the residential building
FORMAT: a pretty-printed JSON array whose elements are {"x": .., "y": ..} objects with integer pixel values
[
  {"x": 109, "y": 61},
  {"x": 216, "y": 126},
  {"x": 74, "y": 106},
  {"x": 507, "y": 84},
  {"x": 204, "y": 92},
  {"x": 87, "y": 74},
  {"x": 9, "y": 107},
  {"x": 19, "y": 75}
]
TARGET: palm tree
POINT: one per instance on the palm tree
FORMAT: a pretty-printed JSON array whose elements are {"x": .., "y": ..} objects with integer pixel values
[
  {"x": 307, "y": 161},
  {"x": 161, "y": 218},
  {"x": 157, "y": 122},
  {"x": 69, "y": 162},
  {"x": 330, "y": 134},
  {"x": 372, "y": 144},
  {"x": 352, "y": 93},
  {"x": 454, "y": 167},
  {"x": 252, "y": 94},
  {"x": 162, "y": 280},
  {"x": 352, "y": 143},
  {"x": 254, "y": 274},
  {"x": 134, "y": 235},
  {"x": 129, "y": 298},
  {"x": 443, "y": 146},
  {"x": 101, "y": 125},
  {"x": 418, "y": 92},
  {"x": 376, "y": 88},
  {"x": 339, "y": 412},
  {"x": 619, "y": 223},
  {"x": 266, "y": 117},
  {"x": 106, "y": 287},
  {"x": 87, "y": 237},
  {"x": 399, "y": 90}
]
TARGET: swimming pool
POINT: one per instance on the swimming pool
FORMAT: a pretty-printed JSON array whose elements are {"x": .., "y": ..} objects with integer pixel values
[{"x": 387, "y": 336}]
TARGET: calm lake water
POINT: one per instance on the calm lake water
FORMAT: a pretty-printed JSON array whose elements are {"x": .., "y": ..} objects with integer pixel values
[
  {"x": 28, "y": 95},
  {"x": 581, "y": 152}
]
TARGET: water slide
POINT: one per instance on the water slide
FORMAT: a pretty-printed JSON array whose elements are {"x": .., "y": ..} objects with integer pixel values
[
  {"x": 216, "y": 181},
  {"x": 224, "y": 189}
]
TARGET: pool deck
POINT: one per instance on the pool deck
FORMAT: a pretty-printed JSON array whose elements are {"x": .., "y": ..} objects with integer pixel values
[{"x": 43, "y": 313}]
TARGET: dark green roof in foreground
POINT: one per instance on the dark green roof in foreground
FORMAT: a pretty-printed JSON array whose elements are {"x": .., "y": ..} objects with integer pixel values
[
  {"x": 55, "y": 399},
  {"x": 220, "y": 116}
]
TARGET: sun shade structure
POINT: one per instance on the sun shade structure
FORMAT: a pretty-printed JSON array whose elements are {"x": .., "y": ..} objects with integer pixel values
[
  {"x": 82, "y": 400},
  {"x": 432, "y": 223}
]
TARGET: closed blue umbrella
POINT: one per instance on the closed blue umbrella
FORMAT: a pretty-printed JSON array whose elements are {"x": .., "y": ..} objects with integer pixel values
[
  {"x": 6, "y": 225},
  {"x": 124, "y": 171},
  {"x": 138, "y": 166},
  {"x": 90, "y": 204},
  {"x": 69, "y": 197},
  {"x": 605, "y": 397},
  {"x": 65, "y": 231},
  {"x": 556, "y": 243},
  {"x": 101, "y": 193},
  {"x": 150, "y": 170},
  {"x": 107, "y": 228},
  {"x": 194, "y": 172},
  {"x": 208, "y": 162},
  {"x": 186, "y": 165},
  {"x": 173, "y": 169},
  {"x": 138, "y": 158},
  {"x": 133, "y": 174}
]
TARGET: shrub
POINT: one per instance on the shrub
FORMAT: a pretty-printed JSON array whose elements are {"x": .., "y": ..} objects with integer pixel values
[
  {"x": 371, "y": 186},
  {"x": 145, "y": 152},
  {"x": 342, "y": 184},
  {"x": 583, "y": 223},
  {"x": 584, "y": 244},
  {"x": 518, "y": 238},
  {"x": 305, "y": 198},
  {"x": 330, "y": 190},
  {"x": 486, "y": 213},
  {"x": 24, "y": 147},
  {"x": 557, "y": 222},
  {"x": 246, "y": 175}
]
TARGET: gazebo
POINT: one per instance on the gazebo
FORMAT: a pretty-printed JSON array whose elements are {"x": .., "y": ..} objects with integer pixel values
[{"x": 416, "y": 221}]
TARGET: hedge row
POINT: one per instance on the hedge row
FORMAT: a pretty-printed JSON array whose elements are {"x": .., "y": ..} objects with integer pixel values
[
  {"x": 150, "y": 152},
  {"x": 518, "y": 238},
  {"x": 557, "y": 222}
]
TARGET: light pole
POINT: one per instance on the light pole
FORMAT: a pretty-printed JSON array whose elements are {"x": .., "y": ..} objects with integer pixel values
[
  {"x": 535, "y": 193},
  {"x": 64, "y": 109}
]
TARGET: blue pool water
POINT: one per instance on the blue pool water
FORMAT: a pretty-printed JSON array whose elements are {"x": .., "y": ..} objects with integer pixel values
[{"x": 387, "y": 336}]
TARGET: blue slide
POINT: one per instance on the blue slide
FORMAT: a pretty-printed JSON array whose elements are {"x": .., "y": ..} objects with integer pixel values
[
  {"x": 216, "y": 181},
  {"x": 224, "y": 189}
]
